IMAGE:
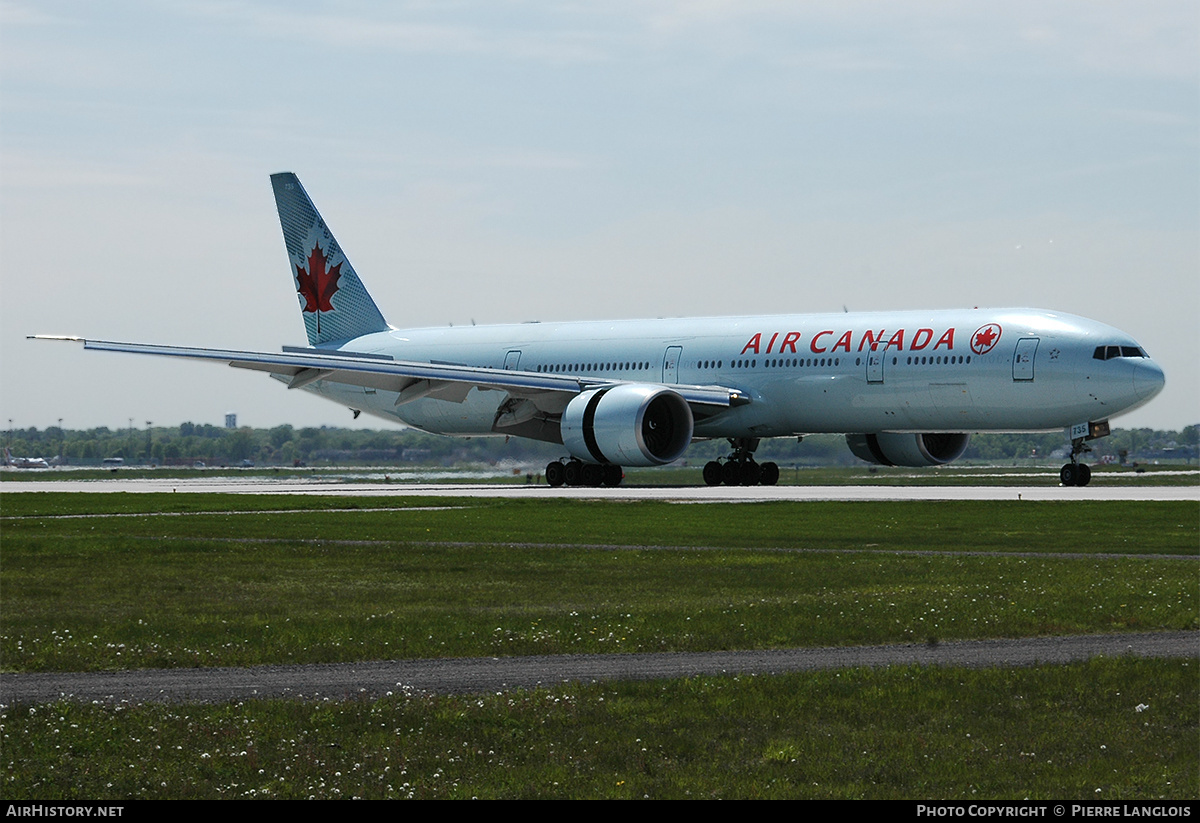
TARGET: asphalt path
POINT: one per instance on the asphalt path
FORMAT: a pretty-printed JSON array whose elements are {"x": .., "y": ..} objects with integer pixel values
[
  {"x": 690, "y": 494},
  {"x": 494, "y": 674}
]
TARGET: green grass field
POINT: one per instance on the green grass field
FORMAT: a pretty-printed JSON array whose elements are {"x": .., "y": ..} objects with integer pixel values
[
  {"x": 187, "y": 580},
  {"x": 1048, "y": 733},
  {"x": 105, "y": 581}
]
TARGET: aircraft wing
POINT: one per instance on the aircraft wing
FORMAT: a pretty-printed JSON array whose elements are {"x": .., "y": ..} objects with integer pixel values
[{"x": 411, "y": 380}]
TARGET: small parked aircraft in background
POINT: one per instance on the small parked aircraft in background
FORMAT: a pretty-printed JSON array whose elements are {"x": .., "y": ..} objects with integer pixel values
[{"x": 25, "y": 462}]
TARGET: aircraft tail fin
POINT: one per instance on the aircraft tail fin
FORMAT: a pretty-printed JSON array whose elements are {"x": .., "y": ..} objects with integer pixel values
[{"x": 333, "y": 301}]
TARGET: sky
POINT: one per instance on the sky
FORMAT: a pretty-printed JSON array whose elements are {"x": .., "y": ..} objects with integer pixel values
[{"x": 498, "y": 161}]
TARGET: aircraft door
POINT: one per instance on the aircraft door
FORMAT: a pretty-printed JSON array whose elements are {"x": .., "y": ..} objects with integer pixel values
[
  {"x": 670, "y": 371},
  {"x": 512, "y": 360},
  {"x": 1023, "y": 358},
  {"x": 875, "y": 364}
]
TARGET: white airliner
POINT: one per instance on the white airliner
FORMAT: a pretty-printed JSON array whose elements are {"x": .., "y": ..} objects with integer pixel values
[
  {"x": 25, "y": 462},
  {"x": 906, "y": 388}
]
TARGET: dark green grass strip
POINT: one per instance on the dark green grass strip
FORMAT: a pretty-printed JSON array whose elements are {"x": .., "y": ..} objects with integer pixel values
[
  {"x": 1108, "y": 730},
  {"x": 1077, "y": 526}
]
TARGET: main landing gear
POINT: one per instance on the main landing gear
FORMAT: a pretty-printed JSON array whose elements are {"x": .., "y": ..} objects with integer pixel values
[
  {"x": 1076, "y": 473},
  {"x": 739, "y": 468},
  {"x": 577, "y": 473}
]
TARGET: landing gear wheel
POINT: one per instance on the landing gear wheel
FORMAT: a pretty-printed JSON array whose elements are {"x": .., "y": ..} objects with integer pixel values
[
  {"x": 739, "y": 468},
  {"x": 770, "y": 474},
  {"x": 556, "y": 474},
  {"x": 573, "y": 473},
  {"x": 593, "y": 474},
  {"x": 731, "y": 474},
  {"x": 751, "y": 473},
  {"x": 613, "y": 475},
  {"x": 1076, "y": 473},
  {"x": 712, "y": 473}
]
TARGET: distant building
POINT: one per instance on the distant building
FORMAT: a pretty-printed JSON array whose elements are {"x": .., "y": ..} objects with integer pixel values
[{"x": 231, "y": 420}]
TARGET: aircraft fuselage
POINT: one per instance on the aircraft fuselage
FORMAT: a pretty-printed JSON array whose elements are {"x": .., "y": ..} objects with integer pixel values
[{"x": 936, "y": 371}]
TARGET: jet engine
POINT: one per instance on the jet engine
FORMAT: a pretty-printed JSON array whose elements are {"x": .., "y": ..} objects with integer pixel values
[
  {"x": 896, "y": 449},
  {"x": 627, "y": 425}
]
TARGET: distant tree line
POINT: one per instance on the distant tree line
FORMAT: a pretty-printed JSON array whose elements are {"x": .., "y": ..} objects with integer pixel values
[
  {"x": 285, "y": 445},
  {"x": 189, "y": 443}
]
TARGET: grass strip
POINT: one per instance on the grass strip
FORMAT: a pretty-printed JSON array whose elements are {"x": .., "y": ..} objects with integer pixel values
[
  {"x": 1125, "y": 527},
  {"x": 93, "y": 593},
  {"x": 1109, "y": 729}
]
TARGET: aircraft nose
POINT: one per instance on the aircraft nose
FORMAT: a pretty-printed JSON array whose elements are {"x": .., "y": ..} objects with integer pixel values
[{"x": 1148, "y": 379}]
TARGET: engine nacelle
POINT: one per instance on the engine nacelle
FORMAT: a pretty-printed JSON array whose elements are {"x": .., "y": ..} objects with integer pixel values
[
  {"x": 895, "y": 449},
  {"x": 629, "y": 425}
]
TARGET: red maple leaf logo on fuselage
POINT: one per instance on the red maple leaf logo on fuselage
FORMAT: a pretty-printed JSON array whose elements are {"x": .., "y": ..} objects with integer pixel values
[
  {"x": 985, "y": 338},
  {"x": 318, "y": 284}
]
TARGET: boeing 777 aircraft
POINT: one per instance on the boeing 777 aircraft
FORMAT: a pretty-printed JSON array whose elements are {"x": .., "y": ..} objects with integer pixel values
[{"x": 906, "y": 388}]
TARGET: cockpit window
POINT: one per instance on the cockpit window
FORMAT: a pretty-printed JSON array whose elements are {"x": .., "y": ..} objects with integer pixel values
[{"x": 1109, "y": 352}]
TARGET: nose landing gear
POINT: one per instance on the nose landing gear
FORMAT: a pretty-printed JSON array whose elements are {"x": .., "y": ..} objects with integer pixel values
[{"x": 1076, "y": 473}]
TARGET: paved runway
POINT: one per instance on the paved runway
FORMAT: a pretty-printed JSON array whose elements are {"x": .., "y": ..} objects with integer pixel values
[{"x": 1129, "y": 490}]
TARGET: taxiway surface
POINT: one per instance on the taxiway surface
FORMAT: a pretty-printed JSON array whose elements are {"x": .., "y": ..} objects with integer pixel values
[{"x": 690, "y": 494}]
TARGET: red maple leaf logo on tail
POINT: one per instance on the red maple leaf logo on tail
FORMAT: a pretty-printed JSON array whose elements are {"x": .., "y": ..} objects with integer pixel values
[{"x": 318, "y": 284}]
